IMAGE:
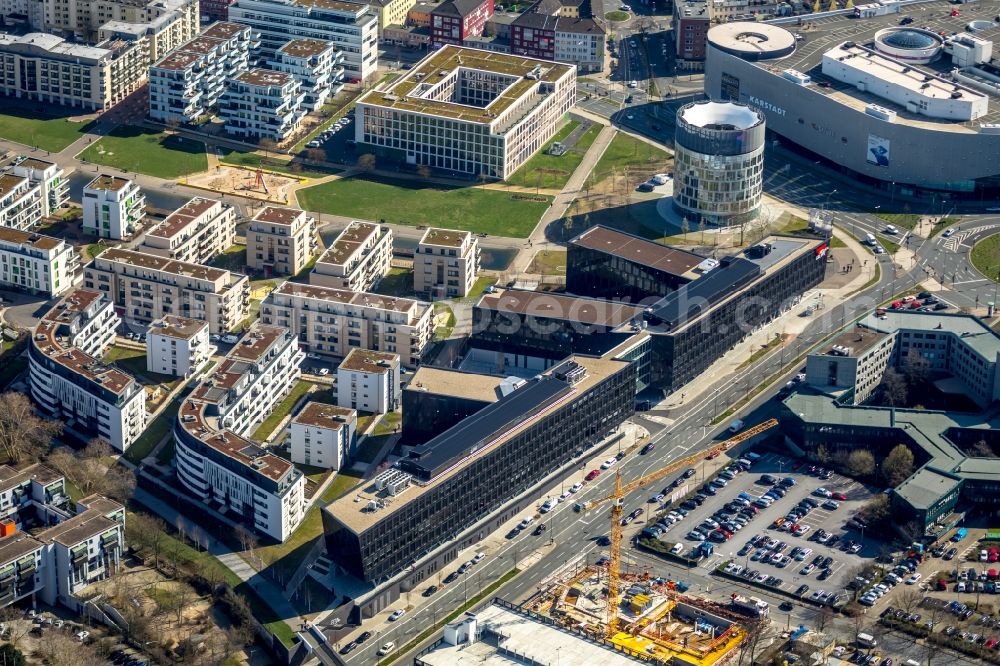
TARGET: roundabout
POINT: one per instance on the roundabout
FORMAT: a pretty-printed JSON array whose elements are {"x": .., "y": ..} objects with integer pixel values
[{"x": 985, "y": 257}]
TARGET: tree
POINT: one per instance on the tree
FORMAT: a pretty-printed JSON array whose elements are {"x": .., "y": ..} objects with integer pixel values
[
  {"x": 11, "y": 656},
  {"x": 146, "y": 532},
  {"x": 893, "y": 388},
  {"x": 685, "y": 226},
  {"x": 316, "y": 155},
  {"x": 898, "y": 465},
  {"x": 917, "y": 368},
  {"x": 366, "y": 162},
  {"x": 823, "y": 616},
  {"x": 424, "y": 172},
  {"x": 909, "y": 599},
  {"x": 24, "y": 436},
  {"x": 97, "y": 448},
  {"x": 860, "y": 463},
  {"x": 822, "y": 455},
  {"x": 568, "y": 224},
  {"x": 981, "y": 450},
  {"x": 878, "y": 509},
  {"x": 701, "y": 228},
  {"x": 267, "y": 146}
]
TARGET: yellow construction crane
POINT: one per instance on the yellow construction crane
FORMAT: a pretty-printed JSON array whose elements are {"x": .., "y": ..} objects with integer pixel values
[{"x": 617, "y": 498}]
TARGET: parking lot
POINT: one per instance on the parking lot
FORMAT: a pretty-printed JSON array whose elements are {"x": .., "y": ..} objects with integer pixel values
[{"x": 793, "y": 570}]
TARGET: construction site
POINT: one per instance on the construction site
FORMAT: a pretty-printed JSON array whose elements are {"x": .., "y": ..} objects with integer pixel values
[{"x": 655, "y": 619}]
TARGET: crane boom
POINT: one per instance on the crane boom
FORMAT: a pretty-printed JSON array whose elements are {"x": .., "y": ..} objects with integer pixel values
[{"x": 617, "y": 499}]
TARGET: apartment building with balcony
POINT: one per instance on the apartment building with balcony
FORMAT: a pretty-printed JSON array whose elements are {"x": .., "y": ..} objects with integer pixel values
[
  {"x": 37, "y": 264},
  {"x": 445, "y": 263},
  {"x": 148, "y": 287},
  {"x": 112, "y": 207},
  {"x": 45, "y": 68},
  {"x": 20, "y": 202},
  {"x": 467, "y": 110},
  {"x": 216, "y": 463},
  {"x": 369, "y": 381},
  {"x": 390, "y": 12},
  {"x": 177, "y": 346},
  {"x": 357, "y": 259},
  {"x": 195, "y": 233},
  {"x": 66, "y": 550},
  {"x": 352, "y": 27},
  {"x": 68, "y": 380},
  {"x": 48, "y": 177},
  {"x": 163, "y": 24},
  {"x": 316, "y": 64},
  {"x": 281, "y": 241},
  {"x": 189, "y": 81},
  {"x": 332, "y": 322},
  {"x": 322, "y": 435},
  {"x": 262, "y": 104}
]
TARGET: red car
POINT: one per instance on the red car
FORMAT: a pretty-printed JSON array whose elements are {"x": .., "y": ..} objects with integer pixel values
[
  {"x": 839, "y": 496},
  {"x": 594, "y": 473},
  {"x": 942, "y": 585},
  {"x": 712, "y": 454},
  {"x": 990, "y": 644}
]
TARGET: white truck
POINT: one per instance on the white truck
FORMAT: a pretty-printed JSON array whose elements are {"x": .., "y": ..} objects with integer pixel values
[
  {"x": 751, "y": 606},
  {"x": 866, "y": 640}
]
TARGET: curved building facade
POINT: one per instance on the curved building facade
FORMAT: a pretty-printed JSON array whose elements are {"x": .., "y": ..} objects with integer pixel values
[
  {"x": 718, "y": 162},
  {"x": 905, "y": 135}
]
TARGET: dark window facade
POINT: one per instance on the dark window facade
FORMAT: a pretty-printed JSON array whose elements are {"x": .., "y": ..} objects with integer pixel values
[{"x": 602, "y": 275}]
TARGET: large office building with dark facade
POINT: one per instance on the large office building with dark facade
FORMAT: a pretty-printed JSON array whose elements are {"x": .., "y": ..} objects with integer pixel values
[
  {"x": 866, "y": 105},
  {"x": 450, "y": 492},
  {"x": 962, "y": 356},
  {"x": 688, "y": 315}
]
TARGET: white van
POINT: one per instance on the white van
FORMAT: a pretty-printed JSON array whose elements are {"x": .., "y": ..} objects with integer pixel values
[
  {"x": 870, "y": 239},
  {"x": 866, "y": 641},
  {"x": 736, "y": 425},
  {"x": 678, "y": 547}
]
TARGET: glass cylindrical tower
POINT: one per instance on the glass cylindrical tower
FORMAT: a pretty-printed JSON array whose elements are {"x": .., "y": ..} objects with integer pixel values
[{"x": 718, "y": 162}]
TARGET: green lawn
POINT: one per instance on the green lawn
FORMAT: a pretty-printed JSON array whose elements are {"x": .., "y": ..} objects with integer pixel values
[
  {"x": 398, "y": 282},
  {"x": 479, "y": 286},
  {"x": 11, "y": 369},
  {"x": 901, "y": 220},
  {"x": 166, "y": 452},
  {"x": 343, "y": 482},
  {"x": 154, "y": 432},
  {"x": 389, "y": 423},
  {"x": 286, "y": 556},
  {"x": 48, "y": 133},
  {"x": 233, "y": 259},
  {"x": 890, "y": 246},
  {"x": 986, "y": 256},
  {"x": 617, "y": 16},
  {"x": 549, "y": 262},
  {"x": 944, "y": 224},
  {"x": 548, "y": 171},
  {"x": 282, "y": 410},
  {"x": 444, "y": 331},
  {"x": 416, "y": 203},
  {"x": 625, "y": 151},
  {"x": 836, "y": 242},
  {"x": 284, "y": 165},
  {"x": 145, "y": 151},
  {"x": 369, "y": 448}
]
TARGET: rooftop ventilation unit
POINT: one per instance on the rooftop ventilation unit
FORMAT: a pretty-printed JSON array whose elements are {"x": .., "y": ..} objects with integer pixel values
[{"x": 392, "y": 481}]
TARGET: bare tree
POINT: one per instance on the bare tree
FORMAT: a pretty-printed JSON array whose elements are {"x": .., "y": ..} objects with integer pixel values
[
  {"x": 147, "y": 532},
  {"x": 981, "y": 449},
  {"x": 316, "y": 155},
  {"x": 685, "y": 226},
  {"x": 97, "y": 448},
  {"x": 893, "y": 388},
  {"x": 267, "y": 146},
  {"x": 424, "y": 172},
  {"x": 366, "y": 162},
  {"x": 823, "y": 617},
  {"x": 917, "y": 368},
  {"x": 24, "y": 436},
  {"x": 909, "y": 600}
]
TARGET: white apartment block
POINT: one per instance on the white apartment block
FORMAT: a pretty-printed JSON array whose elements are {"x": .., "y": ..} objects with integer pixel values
[
  {"x": 467, "y": 110},
  {"x": 195, "y": 232},
  {"x": 189, "y": 81},
  {"x": 445, "y": 263},
  {"x": 45, "y": 68},
  {"x": 148, "y": 287},
  {"x": 316, "y": 64},
  {"x": 64, "y": 552},
  {"x": 332, "y": 322},
  {"x": 323, "y": 435},
  {"x": 216, "y": 463},
  {"x": 50, "y": 179},
  {"x": 37, "y": 264},
  {"x": 112, "y": 207},
  {"x": 262, "y": 104},
  {"x": 353, "y": 28},
  {"x": 357, "y": 259},
  {"x": 20, "y": 202},
  {"x": 281, "y": 241},
  {"x": 177, "y": 346},
  {"x": 368, "y": 381},
  {"x": 70, "y": 383},
  {"x": 163, "y": 24}
]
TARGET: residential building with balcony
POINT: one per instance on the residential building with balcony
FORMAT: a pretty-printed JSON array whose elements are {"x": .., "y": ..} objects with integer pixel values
[
  {"x": 368, "y": 381},
  {"x": 390, "y": 12},
  {"x": 445, "y": 263},
  {"x": 112, "y": 207},
  {"x": 357, "y": 259},
  {"x": 316, "y": 65},
  {"x": 467, "y": 110},
  {"x": 20, "y": 202},
  {"x": 561, "y": 31},
  {"x": 163, "y": 24},
  {"x": 45, "y": 68},
  {"x": 281, "y": 241},
  {"x": 50, "y": 179},
  {"x": 37, "y": 264},
  {"x": 323, "y": 435},
  {"x": 216, "y": 462},
  {"x": 352, "y": 27},
  {"x": 453, "y": 21},
  {"x": 148, "y": 287},
  {"x": 68, "y": 380},
  {"x": 262, "y": 104},
  {"x": 332, "y": 322},
  {"x": 195, "y": 233},
  {"x": 177, "y": 346},
  {"x": 189, "y": 81},
  {"x": 40, "y": 551}
]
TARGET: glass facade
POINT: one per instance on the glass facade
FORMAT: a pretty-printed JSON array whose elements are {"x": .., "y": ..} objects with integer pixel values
[{"x": 721, "y": 189}]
